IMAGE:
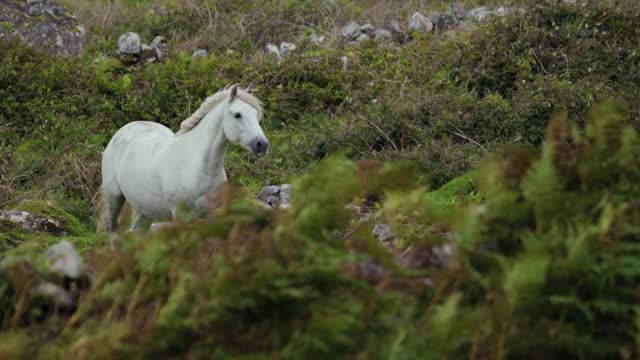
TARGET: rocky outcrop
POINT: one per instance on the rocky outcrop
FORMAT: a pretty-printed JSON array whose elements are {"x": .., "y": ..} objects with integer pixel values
[
  {"x": 42, "y": 24},
  {"x": 32, "y": 222}
]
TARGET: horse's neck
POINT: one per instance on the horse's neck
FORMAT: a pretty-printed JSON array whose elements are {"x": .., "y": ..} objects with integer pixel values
[{"x": 207, "y": 142}]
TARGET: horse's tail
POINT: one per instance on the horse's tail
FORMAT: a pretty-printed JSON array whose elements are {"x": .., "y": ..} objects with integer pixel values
[{"x": 125, "y": 218}]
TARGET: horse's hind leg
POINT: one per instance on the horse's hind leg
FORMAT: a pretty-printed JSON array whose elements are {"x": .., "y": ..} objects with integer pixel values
[
  {"x": 140, "y": 222},
  {"x": 114, "y": 205}
]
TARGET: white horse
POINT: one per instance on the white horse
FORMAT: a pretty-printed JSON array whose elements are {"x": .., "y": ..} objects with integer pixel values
[{"x": 157, "y": 171}]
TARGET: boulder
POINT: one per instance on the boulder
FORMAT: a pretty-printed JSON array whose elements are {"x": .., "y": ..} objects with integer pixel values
[
  {"x": 420, "y": 23},
  {"x": 42, "y": 24},
  {"x": 129, "y": 43}
]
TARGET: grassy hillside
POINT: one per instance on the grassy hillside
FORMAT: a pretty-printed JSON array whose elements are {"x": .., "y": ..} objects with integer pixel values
[{"x": 528, "y": 251}]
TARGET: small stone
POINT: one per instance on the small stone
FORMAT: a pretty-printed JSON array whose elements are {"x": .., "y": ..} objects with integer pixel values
[
  {"x": 66, "y": 260},
  {"x": 444, "y": 21},
  {"x": 458, "y": 12},
  {"x": 363, "y": 38},
  {"x": 383, "y": 232},
  {"x": 34, "y": 11},
  {"x": 420, "y": 23},
  {"x": 397, "y": 33},
  {"x": 286, "y": 48},
  {"x": 273, "y": 50},
  {"x": 382, "y": 35},
  {"x": 59, "y": 41},
  {"x": 350, "y": 32},
  {"x": 480, "y": 14},
  {"x": 268, "y": 191},
  {"x": 160, "y": 45},
  {"x": 129, "y": 43},
  {"x": 200, "y": 53},
  {"x": 367, "y": 29},
  {"x": 147, "y": 54}
]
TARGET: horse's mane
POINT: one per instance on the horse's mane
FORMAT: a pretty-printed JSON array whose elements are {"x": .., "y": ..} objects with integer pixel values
[{"x": 213, "y": 101}]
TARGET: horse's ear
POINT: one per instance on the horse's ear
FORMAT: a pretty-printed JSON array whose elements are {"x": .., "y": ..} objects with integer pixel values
[{"x": 234, "y": 93}]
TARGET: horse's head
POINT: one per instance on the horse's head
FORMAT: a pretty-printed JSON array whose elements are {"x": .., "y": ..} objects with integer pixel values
[{"x": 241, "y": 123}]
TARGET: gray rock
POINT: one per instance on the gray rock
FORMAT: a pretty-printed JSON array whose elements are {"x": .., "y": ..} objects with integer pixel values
[
  {"x": 129, "y": 43},
  {"x": 147, "y": 54},
  {"x": 268, "y": 191},
  {"x": 458, "y": 12},
  {"x": 160, "y": 45},
  {"x": 367, "y": 29},
  {"x": 383, "y": 232},
  {"x": 502, "y": 11},
  {"x": 420, "y": 23},
  {"x": 35, "y": 11},
  {"x": 32, "y": 222},
  {"x": 200, "y": 53},
  {"x": 350, "y": 32},
  {"x": 480, "y": 14},
  {"x": 65, "y": 260},
  {"x": 363, "y": 38},
  {"x": 286, "y": 48},
  {"x": 42, "y": 25},
  {"x": 273, "y": 50},
  {"x": 444, "y": 21},
  {"x": 397, "y": 33},
  {"x": 275, "y": 197},
  {"x": 382, "y": 35},
  {"x": 286, "y": 189}
]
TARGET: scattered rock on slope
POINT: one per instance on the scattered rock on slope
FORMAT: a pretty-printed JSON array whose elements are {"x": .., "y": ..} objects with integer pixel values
[{"x": 42, "y": 24}]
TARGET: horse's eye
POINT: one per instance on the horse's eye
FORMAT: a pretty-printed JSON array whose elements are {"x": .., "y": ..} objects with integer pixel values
[{"x": 237, "y": 115}]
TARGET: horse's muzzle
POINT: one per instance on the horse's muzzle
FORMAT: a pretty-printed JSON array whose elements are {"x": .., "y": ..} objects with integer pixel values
[{"x": 259, "y": 146}]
